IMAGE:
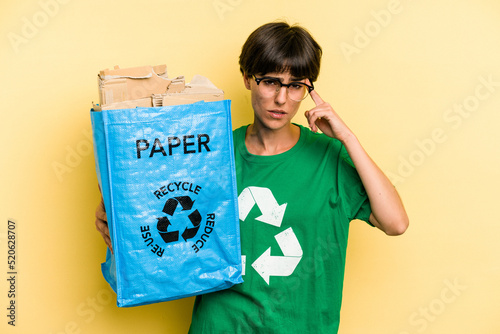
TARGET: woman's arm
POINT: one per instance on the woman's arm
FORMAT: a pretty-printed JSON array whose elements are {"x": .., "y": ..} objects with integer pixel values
[{"x": 388, "y": 212}]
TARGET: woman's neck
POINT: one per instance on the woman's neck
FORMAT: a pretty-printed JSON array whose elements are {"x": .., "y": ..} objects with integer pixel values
[{"x": 264, "y": 141}]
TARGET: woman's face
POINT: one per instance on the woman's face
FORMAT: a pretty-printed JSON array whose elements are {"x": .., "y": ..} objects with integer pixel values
[{"x": 273, "y": 112}]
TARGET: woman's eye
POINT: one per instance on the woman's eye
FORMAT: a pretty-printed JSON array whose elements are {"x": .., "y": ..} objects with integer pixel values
[
  {"x": 296, "y": 86},
  {"x": 269, "y": 82}
]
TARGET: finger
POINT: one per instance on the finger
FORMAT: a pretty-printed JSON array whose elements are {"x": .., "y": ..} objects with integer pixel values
[
  {"x": 101, "y": 226},
  {"x": 107, "y": 240},
  {"x": 316, "y": 113},
  {"x": 101, "y": 205},
  {"x": 314, "y": 94},
  {"x": 101, "y": 216},
  {"x": 316, "y": 98},
  {"x": 103, "y": 229},
  {"x": 100, "y": 212},
  {"x": 108, "y": 243},
  {"x": 311, "y": 119},
  {"x": 321, "y": 118}
]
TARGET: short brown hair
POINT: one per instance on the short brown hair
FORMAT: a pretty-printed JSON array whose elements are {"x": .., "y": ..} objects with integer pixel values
[{"x": 279, "y": 47}]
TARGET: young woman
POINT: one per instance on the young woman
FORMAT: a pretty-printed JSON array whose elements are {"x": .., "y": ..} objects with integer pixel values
[{"x": 298, "y": 191}]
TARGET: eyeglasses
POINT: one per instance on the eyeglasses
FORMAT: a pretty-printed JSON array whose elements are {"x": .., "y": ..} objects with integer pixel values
[{"x": 296, "y": 91}]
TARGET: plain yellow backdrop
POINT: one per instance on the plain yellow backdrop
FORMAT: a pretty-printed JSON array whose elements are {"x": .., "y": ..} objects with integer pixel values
[{"x": 417, "y": 81}]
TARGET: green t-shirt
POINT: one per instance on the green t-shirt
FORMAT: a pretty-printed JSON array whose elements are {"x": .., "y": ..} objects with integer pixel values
[{"x": 295, "y": 209}]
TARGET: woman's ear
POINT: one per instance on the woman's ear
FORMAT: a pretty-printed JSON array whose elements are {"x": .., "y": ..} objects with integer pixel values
[{"x": 246, "y": 80}]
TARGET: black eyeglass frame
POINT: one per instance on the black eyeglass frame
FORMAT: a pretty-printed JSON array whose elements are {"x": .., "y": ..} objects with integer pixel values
[{"x": 310, "y": 87}]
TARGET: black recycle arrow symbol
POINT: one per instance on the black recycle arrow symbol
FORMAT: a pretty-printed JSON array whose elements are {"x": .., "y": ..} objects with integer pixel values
[
  {"x": 162, "y": 226},
  {"x": 195, "y": 219},
  {"x": 169, "y": 208},
  {"x": 171, "y": 204}
]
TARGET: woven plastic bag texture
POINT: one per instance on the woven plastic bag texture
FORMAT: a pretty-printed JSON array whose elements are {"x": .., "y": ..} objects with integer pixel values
[{"x": 167, "y": 177}]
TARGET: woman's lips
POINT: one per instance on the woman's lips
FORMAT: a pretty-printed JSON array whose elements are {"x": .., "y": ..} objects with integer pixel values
[{"x": 277, "y": 113}]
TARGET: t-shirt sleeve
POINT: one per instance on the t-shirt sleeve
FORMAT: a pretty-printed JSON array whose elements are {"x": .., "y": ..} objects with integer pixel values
[{"x": 354, "y": 198}]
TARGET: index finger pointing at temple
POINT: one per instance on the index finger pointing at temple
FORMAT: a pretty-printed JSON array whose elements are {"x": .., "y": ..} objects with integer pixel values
[
  {"x": 314, "y": 95},
  {"x": 316, "y": 98}
]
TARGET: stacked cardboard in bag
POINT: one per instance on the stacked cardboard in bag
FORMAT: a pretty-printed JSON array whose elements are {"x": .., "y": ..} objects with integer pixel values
[{"x": 150, "y": 86}]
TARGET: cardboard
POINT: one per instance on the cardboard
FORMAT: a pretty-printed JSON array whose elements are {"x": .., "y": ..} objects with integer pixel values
[
  {"x": 119, "y": 85},
  {"x": 199, "y": 89},
  {"x": 149, "y": 86}
]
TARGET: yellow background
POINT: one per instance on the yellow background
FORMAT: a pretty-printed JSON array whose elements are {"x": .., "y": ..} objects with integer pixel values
[{"x": 396, "y": 72}]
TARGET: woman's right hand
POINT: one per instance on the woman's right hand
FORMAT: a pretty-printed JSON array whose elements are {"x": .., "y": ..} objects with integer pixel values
[{"x": 101, "y": 224}]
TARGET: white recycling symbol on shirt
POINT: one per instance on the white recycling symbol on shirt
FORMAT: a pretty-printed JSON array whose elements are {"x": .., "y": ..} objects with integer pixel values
[{"x": 272, "y": 213}]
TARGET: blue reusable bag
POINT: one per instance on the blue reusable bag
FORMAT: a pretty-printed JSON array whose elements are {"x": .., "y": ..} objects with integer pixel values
[{"x": 167, "y": 177}]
